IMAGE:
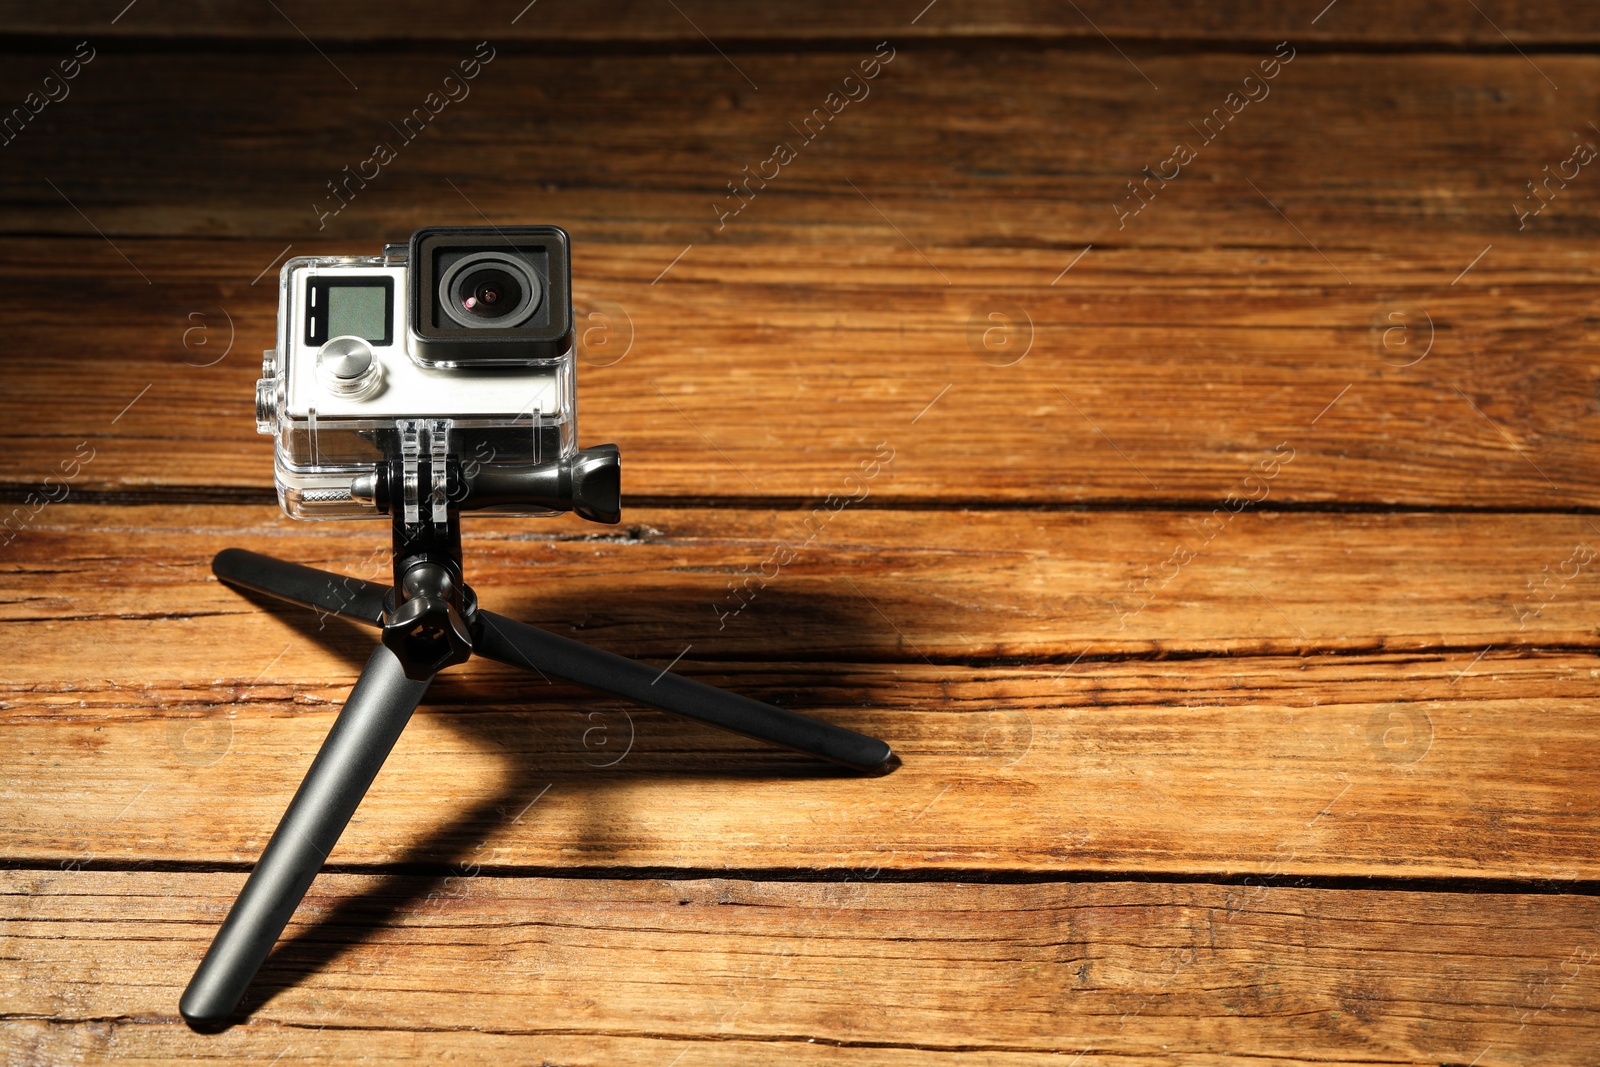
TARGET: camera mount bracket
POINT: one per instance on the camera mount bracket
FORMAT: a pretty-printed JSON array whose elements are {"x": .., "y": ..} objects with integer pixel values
[{"x": 430, "y": 620}]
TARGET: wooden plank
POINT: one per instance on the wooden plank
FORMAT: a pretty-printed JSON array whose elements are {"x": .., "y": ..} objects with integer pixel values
[
  {"x": 951, "y": 156},
  {"x": 723, "y": 971},
  {"x": 858, "y": 354},
  {"x": 884, "y": 585},
  {"x": 1163, "y": 365},
  {"x": 999, "y": 775},
  {"x": 174, "y": 691},
  {"x": 734, "y": 25}
]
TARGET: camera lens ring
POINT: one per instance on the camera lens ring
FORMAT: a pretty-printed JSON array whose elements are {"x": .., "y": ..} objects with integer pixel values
[{"x": 514, "y": 270}]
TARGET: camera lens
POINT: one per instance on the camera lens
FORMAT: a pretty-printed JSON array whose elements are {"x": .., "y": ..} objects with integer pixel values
[
  {"x": 488, "y": 293},
  {"x": 489, "y": 290}
]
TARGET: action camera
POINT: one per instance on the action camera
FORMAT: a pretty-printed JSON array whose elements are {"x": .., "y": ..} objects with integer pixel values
[{"x": 454, "y": 353}]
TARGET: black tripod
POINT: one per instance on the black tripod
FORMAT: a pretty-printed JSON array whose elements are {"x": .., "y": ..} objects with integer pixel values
[{"x": 430, "y": 620}]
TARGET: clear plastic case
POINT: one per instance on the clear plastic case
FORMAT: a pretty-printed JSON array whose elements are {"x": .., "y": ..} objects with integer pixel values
[{"x": 344, "y": 390}]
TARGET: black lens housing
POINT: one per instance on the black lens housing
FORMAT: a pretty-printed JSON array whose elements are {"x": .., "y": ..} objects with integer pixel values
[{"x": 529, "y": 269}]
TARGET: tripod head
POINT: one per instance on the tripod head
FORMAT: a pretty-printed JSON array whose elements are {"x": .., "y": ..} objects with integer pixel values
[{"x": 429, "y": 614}]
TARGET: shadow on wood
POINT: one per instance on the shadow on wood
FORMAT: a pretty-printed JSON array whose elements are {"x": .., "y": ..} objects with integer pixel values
[{"x": 354, "y": 920}]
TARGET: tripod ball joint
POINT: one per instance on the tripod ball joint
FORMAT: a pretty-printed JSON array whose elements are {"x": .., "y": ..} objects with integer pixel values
[{"x": 426, "y": 631}]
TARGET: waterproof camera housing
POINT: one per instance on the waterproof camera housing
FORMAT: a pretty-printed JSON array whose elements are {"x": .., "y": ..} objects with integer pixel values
[{"x": 448, "y": 358}]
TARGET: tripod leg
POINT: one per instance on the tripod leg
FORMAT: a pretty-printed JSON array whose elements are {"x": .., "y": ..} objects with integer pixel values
[
  {"x": 335, "y": 594},
  {"x": 377, "y": 710},
  {"x": 521, "y": 645}
]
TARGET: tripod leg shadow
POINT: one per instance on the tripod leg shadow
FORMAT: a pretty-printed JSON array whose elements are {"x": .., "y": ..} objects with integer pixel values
[{"x": 655, "y": 744}]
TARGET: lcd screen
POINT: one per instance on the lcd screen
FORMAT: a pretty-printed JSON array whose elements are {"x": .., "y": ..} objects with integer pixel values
[
  {"x": 357, "y": 310},
  {"x": 360, "y": 306}
]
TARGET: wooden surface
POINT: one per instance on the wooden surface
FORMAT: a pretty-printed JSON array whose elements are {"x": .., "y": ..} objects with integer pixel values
[{"x": 1235, "y": 620}]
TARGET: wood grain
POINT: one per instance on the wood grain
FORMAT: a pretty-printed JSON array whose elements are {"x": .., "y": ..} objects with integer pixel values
[
  {"x": 997, "y": 777},
  {"x": 1241, "y": 662},
  {"x": 905, "y": 586},
  {"x": 1161, "y": 366},
  {"x": 1050, "y": 766},
  {"x": 724, "y": 971},
  {"x": 620, "y": 24},
  {"x": 771, "y": 374},
  {"x": 1370, "y": 156}
]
